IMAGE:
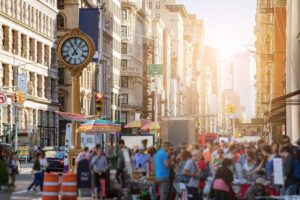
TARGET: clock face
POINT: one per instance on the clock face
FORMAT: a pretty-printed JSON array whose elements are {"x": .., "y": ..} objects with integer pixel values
[{"x": 75, "y": 51}]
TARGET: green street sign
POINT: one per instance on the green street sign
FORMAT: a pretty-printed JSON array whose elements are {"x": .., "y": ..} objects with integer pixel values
[{"x": 155, "y": 69}]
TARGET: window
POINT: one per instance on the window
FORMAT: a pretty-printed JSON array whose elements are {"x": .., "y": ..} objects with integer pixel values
[
  {"x": 39, "y": 52},
  {"x": 124, "y": 14},
  {"x": 124, "y": 48},
  {"x": 124, "y": 64},
  {"x": 40, "y": 86},
  {"x": 23, "y": 45},
  {"x": 157, "y": 15},
  {"x": 124, "y": 99},
  {"x": 157, "y": 5},
  {"x": 5, "y": 79},
  {"x": 60, "y": 22},
  {"x": 32, "y": 48},
  {"x": 123, "y": 117},
  {"x": 15, "y": 41},
  {"x": 46, "y": 55},
  {"x": 124, "y": 31},
  {"x": 60, "y": 4},
  {"x": 5, "y": 41},
  {"x": 124, "y": 81},
  {"x": 150, "y": 5}
]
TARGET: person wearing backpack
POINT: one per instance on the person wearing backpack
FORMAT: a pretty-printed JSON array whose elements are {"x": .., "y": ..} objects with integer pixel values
[
  {"x": 204, "y": 172},
  {"x": 191, "y": 170},
  {"x": 288, "y": 169}
]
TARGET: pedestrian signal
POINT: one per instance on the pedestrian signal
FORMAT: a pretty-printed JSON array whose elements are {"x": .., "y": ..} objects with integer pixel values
[
  {"x": 15, "y": 98},
  {"x": 99, "y": 103}
]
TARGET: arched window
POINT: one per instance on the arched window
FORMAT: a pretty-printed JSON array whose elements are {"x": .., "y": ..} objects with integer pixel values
[{"x": 60, "y": 22}]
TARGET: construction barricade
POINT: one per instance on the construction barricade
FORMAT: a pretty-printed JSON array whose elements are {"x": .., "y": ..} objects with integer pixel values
[
  {"x": 69, "y": 187},
  {"x": 50, "y": 187}
]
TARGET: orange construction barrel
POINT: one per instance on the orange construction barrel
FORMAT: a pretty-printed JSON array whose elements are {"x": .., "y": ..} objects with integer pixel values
[
  {"x": 69, "y": 187},
  {"x": 50, "y": 187}
]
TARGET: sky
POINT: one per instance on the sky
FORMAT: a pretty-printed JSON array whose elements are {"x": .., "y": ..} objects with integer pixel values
[{"x": 229, "y": 24}]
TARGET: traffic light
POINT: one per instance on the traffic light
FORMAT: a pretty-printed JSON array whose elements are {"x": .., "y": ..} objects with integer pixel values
[
  {"x": 18, "y": 97},
  {"x": 21, "y": 97},
  {"x": 99, "y": 103},
  {"x": 15, "y": 97},
  {"x": 231, "y": 109}
]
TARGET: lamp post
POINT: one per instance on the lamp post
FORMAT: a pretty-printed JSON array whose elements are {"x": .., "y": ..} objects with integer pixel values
[{"x": 16, "y": 107}]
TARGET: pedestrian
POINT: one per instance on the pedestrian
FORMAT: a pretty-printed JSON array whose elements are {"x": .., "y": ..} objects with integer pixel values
[
  {"x": 120, "y": 174},
  {"x": 249, "y": 165},
  {"x": 100, "y": 165},
  {"x": 275, "y": 148},
  {"x": 140, "y": 160},
  {"x": 37, "y": 172},
  {"x": 12, "y": 168},
  {"x": 44, "y": 165},
  {"x": 222, "y": 183},
  {"x": 288, "y": 169},
  {"x": 191, "y": 170},
  {"x": 208, "y": 152},
  {"x": 181, "y": 180},
  {"x": 92, "y": 153},
  {"x": 269, "y": 164},
  {"x": 83, "y": 155},
  {"x": 256, "y": 190},
  {"x": 204, "y": 173},
  {"x": 162, "y": 170}
]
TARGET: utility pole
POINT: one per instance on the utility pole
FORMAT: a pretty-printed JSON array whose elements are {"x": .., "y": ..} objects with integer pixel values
[{"x": 100, "y": 50}]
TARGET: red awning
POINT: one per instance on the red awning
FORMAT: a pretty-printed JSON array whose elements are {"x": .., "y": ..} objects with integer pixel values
[{"x": 76, "y": 117}]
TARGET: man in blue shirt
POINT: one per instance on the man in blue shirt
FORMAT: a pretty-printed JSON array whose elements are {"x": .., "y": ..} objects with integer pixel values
[{"x": 162, "y": 170}]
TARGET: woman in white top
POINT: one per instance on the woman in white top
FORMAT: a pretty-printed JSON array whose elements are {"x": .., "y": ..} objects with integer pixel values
[{"x": 44, "y": 165}]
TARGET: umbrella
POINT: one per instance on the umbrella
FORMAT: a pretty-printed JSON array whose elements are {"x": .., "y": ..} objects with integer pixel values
[
  {"x": 99, "y": 125},
  {"x": 151, "y": 126},
  {"x": 137, "y": 123},
  {"x": 76, "y": 117}
]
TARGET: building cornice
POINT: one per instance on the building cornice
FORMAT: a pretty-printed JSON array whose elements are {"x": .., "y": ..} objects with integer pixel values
[{"x": 178, "y": 8}]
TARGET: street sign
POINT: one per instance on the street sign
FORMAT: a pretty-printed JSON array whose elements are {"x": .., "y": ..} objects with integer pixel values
[
  {"x": 155, "y": 69},
  {"x": 3, "y": 98}
]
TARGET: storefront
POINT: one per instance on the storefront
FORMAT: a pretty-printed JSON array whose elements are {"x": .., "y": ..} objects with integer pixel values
[{"x": 276, "y": 117}]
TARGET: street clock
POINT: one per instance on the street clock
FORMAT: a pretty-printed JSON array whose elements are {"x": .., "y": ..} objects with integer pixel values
[{"x": 75, "y": 50}]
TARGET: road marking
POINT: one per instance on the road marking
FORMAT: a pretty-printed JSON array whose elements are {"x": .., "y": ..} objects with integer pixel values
[{"x": 20, "y": 192}]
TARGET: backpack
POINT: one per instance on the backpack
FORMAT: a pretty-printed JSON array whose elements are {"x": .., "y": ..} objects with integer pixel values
[
  {"x": 296, "y": 174},
  {"x": 204, "y": 174}
]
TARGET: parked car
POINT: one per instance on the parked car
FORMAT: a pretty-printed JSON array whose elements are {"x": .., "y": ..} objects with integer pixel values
[
  {"x": 7, "y": 150},
  {"x": 55, "y": 161}
]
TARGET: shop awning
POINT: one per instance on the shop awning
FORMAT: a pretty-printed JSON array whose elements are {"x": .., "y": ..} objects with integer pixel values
[
  {"x": 277, "y": 114},
  {"x": 76, "y": 117}
]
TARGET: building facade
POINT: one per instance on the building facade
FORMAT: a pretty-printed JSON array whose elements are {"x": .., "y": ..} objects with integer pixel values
[
  {"x": 173, "y": 16},
  {"x": 27, "y": 35},
  {"x": 134, "y": 35},
  {"x": 271, "y": 64},
  {"x": 293, "y": 69},
  {"x": 68, "y": 18}
]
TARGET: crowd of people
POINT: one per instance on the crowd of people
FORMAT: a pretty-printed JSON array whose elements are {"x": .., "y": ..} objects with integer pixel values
[{"x": 220, "y": 170}]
